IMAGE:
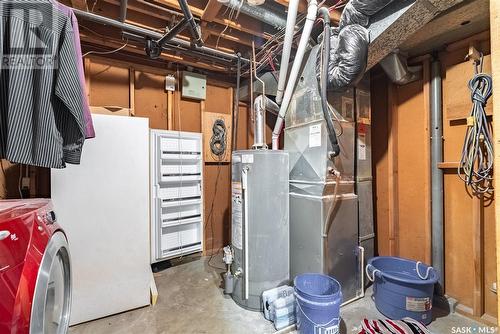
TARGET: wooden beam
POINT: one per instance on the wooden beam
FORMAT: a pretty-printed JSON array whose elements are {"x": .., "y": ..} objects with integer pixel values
[
  {"x": 211, "y": 10},
  {"x": 495, "y": 70},
  {"x": 243, "y": 23},
  {"x": 164, "y": 55},
  {"x": 131, "y": 91},
  {"x": 235, "y": 36},
  {"x": 240, "y": 33},
  {"x": 302, "y": 5},
  {"x": 79, "y": 4},
  {"x": 392, "y": 153},
  {"x": 143, "y": 9},
  {"x": 107, "y": 60},
  {"x": 477, "y": 254},
  {"x": 205, "y": 33},
  {"x": 170, "y": 110},
  {"x": 335, "y": 16},
  {"x": 175, "y": 4}
]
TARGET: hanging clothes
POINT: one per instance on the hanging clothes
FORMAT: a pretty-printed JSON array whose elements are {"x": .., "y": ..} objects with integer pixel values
[
  {"x": 42, "y": 120},
  {"x": 89, "y": 127}
]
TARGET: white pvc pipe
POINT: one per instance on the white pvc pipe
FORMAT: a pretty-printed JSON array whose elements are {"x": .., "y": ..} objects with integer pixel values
[
  {"x": 293, "y": 7},
  {"x": 312, "y": 10},
  {"x": 362, "y": 273}
]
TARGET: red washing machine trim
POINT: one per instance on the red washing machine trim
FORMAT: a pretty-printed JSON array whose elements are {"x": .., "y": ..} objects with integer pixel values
[{"x": 32, "y": 232}]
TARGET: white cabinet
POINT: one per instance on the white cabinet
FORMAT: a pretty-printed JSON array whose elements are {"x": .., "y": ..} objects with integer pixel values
[{"x": 176, "y": 194}]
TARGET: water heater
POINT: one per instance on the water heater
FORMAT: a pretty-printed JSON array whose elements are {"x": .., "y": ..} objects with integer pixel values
[{"x": 260, "y": 224}]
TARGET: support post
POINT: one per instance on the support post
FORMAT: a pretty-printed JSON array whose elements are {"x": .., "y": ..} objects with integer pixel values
[
  {"x": 495, "y": 70},
  {"x": 437, "y": 202}
]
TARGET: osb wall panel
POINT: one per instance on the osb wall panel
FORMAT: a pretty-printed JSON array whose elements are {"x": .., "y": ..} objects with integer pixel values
[
  {"x": 151, "y": 99},
  {"x": 413, "y": 221},
  {"x": 399, "y": 168},
  {"x": 243, "y": 140},
  {"x": 9, "y": 180},
  {"x": 109, "y": 85},
  {"x": 380, "y": 131},
  {"x": 490, "y": 298},
  {"x": 460, "y": 224},
  {"x": 219, "y": 100},
  {"x": 187, "y": 114}
]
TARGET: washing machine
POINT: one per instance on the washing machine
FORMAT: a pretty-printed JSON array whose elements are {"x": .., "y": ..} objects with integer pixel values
[{"x": 35, "y": 269}]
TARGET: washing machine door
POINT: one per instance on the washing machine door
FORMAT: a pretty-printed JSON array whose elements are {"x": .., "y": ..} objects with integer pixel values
[{"x": 52, "y": 298}]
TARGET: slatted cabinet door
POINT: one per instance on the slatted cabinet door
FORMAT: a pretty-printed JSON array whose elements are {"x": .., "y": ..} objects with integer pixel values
[{"x": 176, "y": 194}]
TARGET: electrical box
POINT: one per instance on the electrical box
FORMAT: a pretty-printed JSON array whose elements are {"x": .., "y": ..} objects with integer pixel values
[
  {"x": 170, "y": 83},
  {"x": 194, "y": 85}
]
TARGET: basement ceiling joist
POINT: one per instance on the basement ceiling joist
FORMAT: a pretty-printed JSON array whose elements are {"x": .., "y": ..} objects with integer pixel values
[{"x": 222, "y": 28}]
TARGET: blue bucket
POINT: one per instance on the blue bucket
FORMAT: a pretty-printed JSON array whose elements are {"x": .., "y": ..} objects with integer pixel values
[
  {"x": 318, "y": 299},
  {"x": 402, "y": 288}
]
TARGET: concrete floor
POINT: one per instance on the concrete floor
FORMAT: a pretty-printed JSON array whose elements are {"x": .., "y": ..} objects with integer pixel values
[{"x": 190, "y": 301}]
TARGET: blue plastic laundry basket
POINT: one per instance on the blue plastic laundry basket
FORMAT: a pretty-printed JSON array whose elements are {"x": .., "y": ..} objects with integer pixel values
[{"x": 402, "y": 288}]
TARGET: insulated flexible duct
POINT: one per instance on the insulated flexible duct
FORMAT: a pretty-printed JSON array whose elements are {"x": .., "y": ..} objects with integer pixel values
[
  {"x": 325, "y": 15},
  {"x": 348, "y": 64}
]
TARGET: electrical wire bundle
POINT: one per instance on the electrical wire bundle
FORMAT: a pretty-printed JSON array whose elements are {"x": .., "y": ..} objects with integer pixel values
[
  {"x": 218, "y": 145},
  {"x": 218, "y": 141},
  {"x": 272, "y": 47},
  {"x": 477, "y": 152}
]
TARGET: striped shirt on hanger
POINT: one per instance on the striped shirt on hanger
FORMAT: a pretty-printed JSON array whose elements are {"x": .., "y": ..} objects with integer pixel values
[{"x": 41, "y": 102}]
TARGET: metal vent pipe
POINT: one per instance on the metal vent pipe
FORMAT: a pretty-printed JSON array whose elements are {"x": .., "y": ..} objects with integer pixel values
[
  {"x": 260, "y": 13},
  {"x": 261, "y": 105},
  {"x": 437, "y": 219}
]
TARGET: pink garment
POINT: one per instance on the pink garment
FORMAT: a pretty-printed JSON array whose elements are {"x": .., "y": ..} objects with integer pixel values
[{"x": 89, "y": 126}]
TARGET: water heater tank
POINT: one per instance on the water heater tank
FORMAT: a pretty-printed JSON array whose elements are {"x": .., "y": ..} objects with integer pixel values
[{"x": 260, "y": 225}]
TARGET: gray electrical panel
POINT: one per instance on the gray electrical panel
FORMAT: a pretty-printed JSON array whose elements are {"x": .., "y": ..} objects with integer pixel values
[
  {"x": 260, "y": 224},
  {"x": 194, "y": 85}
]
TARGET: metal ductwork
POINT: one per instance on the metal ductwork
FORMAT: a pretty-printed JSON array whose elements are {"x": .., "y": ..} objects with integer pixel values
[
  {"x": 260, "y": 13},
  {"x": 396, "y": 67},
  {"x": 270, "y": 83}
]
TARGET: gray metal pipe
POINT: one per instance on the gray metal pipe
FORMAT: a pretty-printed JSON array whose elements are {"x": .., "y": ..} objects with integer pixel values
[
  {"x": 123, "y": 10},
  {"x": 174, "y": 42},
  {"x": 260, "y": 13},
  {"x": 261, "y": 105},
  {"x": 436, "y": 173},
  {"x": 236, "y": 107},
  {"x": 192, "y": 25},
  {"x": 173, "y": 32}
]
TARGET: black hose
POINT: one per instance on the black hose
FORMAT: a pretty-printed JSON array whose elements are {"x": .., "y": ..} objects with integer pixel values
[
  {"x": 219, "y": 138},
  {"x": 323, "y": 81},
  {"x": 477, "y": 157}
]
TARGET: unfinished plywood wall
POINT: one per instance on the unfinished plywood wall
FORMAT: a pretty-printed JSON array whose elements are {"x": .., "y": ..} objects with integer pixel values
[
  {"x": 401, "y": 166},
  {"x": 140, "y": 90},
  {"x": 469, "y": 221}
]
